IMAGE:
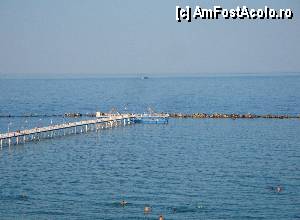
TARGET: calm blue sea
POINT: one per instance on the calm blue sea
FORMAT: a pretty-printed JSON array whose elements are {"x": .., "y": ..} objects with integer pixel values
[{"x": 187, "y": 169}]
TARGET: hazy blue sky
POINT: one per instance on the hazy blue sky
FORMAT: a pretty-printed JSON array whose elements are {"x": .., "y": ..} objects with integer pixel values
[{"x": 135, "y": 36}]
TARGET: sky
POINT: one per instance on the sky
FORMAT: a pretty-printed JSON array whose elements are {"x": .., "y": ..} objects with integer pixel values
[{"x": 142, "y": 37}]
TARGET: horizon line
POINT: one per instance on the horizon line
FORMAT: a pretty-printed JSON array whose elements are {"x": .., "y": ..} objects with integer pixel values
[{"x": 137, "y": 75}]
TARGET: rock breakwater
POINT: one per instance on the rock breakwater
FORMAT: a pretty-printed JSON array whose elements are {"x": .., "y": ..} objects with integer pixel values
[{"x": 231, "y": 116}]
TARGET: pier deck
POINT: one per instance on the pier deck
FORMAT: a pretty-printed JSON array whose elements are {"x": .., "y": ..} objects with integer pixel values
[{"x": 16, "y": 137}]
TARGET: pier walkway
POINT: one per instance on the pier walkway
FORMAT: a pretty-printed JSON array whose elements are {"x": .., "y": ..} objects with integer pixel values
[{"x": 50, "y": 131}]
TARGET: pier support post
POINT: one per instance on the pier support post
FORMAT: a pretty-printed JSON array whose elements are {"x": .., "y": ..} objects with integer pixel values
[
  {"x": 1, "y": 143},
  {"x": 9, "y": 142},
  {"x": 17, "y": 140},
  {"x": 86, "y": 128}
]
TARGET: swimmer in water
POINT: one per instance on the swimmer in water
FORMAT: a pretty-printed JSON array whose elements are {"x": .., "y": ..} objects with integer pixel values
[
  {"x": 23, "y": 195},
  {"x": 147, "y": 209},
  {"x": 123, "y": 203},
  {"x": 161, "y": 217},
  {"x": 278, "y": 189}
]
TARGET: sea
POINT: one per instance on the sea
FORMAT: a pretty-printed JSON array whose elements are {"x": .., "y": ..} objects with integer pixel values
[{"x": 186, "y": 169}]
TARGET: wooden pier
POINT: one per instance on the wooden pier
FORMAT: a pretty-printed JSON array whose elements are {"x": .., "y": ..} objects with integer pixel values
[{"x": 18, "y": 137}]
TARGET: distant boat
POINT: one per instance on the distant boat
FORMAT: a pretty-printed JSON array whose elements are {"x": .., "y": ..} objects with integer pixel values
[{"x": 145, "y": 77}]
